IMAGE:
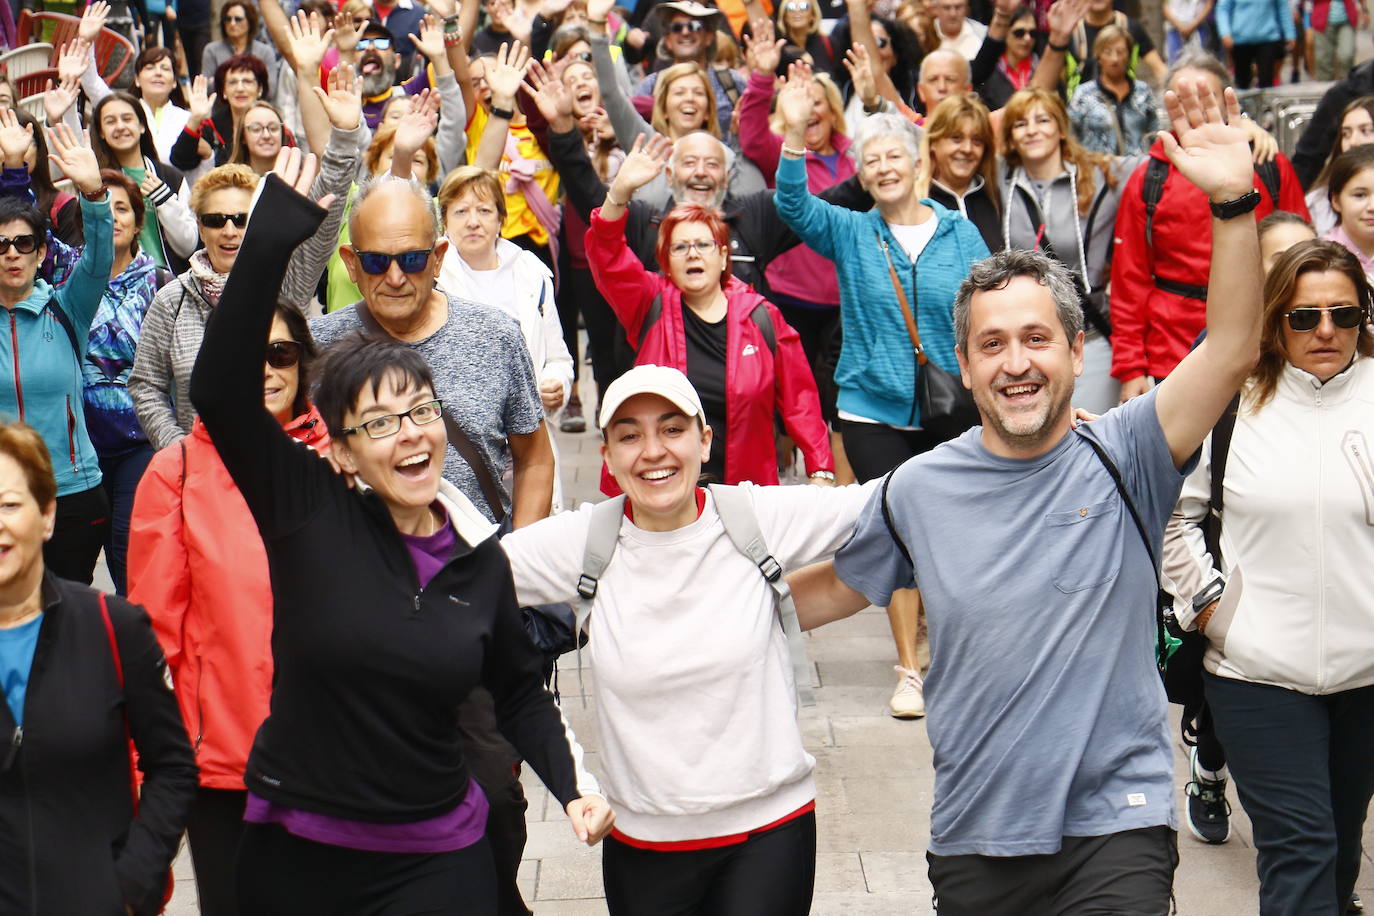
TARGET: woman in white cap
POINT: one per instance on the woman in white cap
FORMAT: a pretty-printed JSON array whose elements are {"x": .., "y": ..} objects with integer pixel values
[{"x": 696, "y": 700}]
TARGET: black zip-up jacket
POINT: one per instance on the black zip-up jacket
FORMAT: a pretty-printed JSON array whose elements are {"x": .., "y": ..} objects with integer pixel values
[
  {"x": 1324, "y": 129},
  {"x": 370, "y": 669},
  {"x": 757, "y": 233},
  {"x": 69, "y": 841},
  {"x": 978, "y": 208}
]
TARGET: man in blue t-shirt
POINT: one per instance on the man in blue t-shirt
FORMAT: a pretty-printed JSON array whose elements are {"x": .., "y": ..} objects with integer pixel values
[{"x": 1053, "y": 770}]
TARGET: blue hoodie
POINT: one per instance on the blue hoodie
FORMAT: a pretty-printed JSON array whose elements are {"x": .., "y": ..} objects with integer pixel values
[
  {"x": 113, "y": 340},
  {"x": 42, "y": 373},
  {"x": 876, "y": 373}
]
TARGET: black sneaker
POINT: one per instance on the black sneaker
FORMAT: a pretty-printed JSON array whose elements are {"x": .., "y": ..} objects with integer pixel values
[
  {"x": 1209, "y": 814},
  {"x": 1356, "y": 906}
]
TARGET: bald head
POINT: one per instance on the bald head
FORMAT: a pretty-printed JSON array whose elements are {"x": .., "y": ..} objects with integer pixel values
[
  {"x": 944, "y": 72},
  {"x": 388, "y": 204}
]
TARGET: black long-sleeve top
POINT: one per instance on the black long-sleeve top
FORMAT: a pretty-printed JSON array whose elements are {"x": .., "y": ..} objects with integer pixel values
[{"x": 370, "y": 668}]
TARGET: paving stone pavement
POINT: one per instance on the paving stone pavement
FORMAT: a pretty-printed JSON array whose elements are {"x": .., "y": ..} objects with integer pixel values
[{"x": 873, "y": 777}]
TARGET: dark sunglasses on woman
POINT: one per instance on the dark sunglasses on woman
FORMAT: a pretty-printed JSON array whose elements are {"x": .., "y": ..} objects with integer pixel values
[
  {"x": 686, "y": 27},
  {"x": 1024, "y": 33},
  {"x": 1342, "y": 316},
  {"x": 218, "y": 220},
  {"x": 379, "y": 262},
  {"x": 283, "y": 354},
  {"x": 24, "y": 244}
]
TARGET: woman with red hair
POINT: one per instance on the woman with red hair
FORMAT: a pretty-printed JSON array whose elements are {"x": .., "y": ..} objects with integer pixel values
[{"x": 746, "y": 362}]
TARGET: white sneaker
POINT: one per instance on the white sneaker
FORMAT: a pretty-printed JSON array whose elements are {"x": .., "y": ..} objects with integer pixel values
[{"x": 907, "y": 701}]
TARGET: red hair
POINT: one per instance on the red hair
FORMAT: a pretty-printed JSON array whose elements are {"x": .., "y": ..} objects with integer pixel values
[{"x": 692, "y": 213}]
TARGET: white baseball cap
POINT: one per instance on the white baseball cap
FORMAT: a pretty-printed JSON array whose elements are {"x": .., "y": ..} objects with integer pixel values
[{"x": 663, "y": 381}]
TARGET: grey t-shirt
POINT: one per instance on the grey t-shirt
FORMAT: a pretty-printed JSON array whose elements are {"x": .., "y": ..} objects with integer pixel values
[
  {"x": 482, "y": 373},
  {"x": 1044, "y": 707}
]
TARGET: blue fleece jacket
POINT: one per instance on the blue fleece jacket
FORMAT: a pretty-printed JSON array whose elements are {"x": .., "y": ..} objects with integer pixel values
[
  {"x": 876, "y": 374},
  {"x": 42, "y": 383},
  {"x": 1252, "y": 22}
]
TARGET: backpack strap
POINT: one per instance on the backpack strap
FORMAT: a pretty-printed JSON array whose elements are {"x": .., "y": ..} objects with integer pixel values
[
  {"x": 742, "y": 526},
  {"x": 891, "y": 529},
  {"x": 602, "y": 534},
  {"x": 764, "y": 321},
  {"x": 1221, "y": 451},
  {"x": 1268, "y": 173},
  {"x": 651, "y": 317},
  {"x": 61, "y": 318},
  {"x": 119, "y": 678},
  {"x": 1156, "y": 173}
]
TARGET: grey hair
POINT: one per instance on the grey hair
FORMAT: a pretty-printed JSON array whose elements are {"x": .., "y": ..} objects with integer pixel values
[
  {"x": 375, "y": 183},
  {"x": 730, "y": 157},
  {"x": 997, "y": 271},
  {"x": 885, "y": 124},
  {"x": 945, "y": 52},
  {"x": 1200, "y": 60}
]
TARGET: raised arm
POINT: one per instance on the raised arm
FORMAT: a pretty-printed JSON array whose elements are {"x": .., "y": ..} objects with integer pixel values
[
  {"x": 756, "y": 137},
  {"x": 1214, "y": 156},
  {"x": 80, "y": 296},
  {"x": 505, "y": 73},
  {"x": 304, "y": 45},
  {"x": 814, "y": 220},
  {"x": 626, "y": 120},
  {"x": 1063, "y": 16}
]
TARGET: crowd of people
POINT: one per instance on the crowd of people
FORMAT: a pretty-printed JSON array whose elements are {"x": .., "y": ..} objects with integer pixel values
[{"x": 961, "y": 310}]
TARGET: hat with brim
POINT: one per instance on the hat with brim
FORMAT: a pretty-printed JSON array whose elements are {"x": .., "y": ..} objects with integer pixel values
[
  {"x": 664, "y": 381},
  {"x": 689, "y": 7}
]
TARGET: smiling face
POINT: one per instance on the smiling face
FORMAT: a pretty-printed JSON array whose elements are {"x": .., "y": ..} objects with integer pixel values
[
  {"x": 685, "y": 37},
  {"x": 24, "y": 525},
  {"x": 1357, "y": 129},
  {"x": 404, "y": 468},
  {"x": 1036, "y": 136},
  {"x": 280, "y": 386},
  {"x": 262, "y": 133},
  {"x": 156, "y": 81},
  {"x": 17, "y": 271},
  {"x": 1020, "y": 366},
  {"x": 822, "y": 121},
  {"x": 580, "y": 79},
  {"x": 956, "y": 157},
  {"x": 477, "y": 77},
  {"x": 887, "y": 171},
  {"x": 120, "y": 127},
  {"x": 655, "y": 454},
  {"x": 1355, "y": 207},
  {"x": 241, "y": 89},
  {"x": 798, "y": 15},
  {"x": 685, "y": 105},
  {"x": 125, "y": 228},
  {"x": 1019, "y": 48},
  {"x": 698, "y": 171},
  {"x": 473, "y": 225},
  {"x": 393, "y": 220},
  {"x": 377, "y": 66},
  {"x": 697, "y": 263},
  {"x": 222, "y": 245},
  {"x": 1326, "y": 349}
]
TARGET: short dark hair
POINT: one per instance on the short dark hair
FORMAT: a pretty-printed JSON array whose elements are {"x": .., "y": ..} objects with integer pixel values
[
  {"x": 12, "y": 208},
  {"x": 999, "y": 269},
  {"x": 247, "y": 62},
  {"x": 324, "y": 8},
  {"x": 299, "y": 329},
  {"x": 1280, "y": 218},
  {"x": 24, "y": 444},
  {"x": 353, "y": 363}
]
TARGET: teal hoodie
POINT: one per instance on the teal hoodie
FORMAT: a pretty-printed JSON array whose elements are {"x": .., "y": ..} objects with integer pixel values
[
  {"x": 876, "y": 374},
  {"x": 42, "y": 373}
]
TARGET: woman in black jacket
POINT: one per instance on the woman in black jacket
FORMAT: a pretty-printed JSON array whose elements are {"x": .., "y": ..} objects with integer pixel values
[
  {"x": 959, "y": 164},
  {"x": 392, "y": 601},
  {"x": 81, "y": 674}
]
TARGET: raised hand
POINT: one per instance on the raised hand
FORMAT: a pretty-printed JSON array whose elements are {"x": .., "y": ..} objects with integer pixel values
[
  {"x": 93, "y": 20},
  {"x": 200, "y": 101},
  {"x": 58, "y": 100},
  {"x": 343, "y": 103},
  {"x": 645, "y": 162},
  {"x": 1063, "y": 17},
  {"x": 151, "y": 185},
  {"x": 73, "y": 60},
  {"x": 794, "y": 99},
  {"x": 550, "y": 95},
  {"x": 505, "y": 16},
  {"x": 598, "y": 10},
  {"x": 1208, "y": 151},
  {"x": 346, "y": 35},
  {"x": 419, "y": 123},
  {"x": 598, "y": 124},
  {"x": 856, "y": 61},
  {"x": 15, "y": 139},
  {"x": 506, "y": 73},
  {"x": 430, "y": 41},
  {"x": 307, "y": 44},
  {"x": 298, "y": 171},
  {"x": 761, "y": 52},
  {"x": 72, "y": 154}
]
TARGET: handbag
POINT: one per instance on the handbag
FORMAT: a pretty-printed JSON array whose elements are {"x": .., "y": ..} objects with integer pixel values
[{"x": 946, "y": 406}]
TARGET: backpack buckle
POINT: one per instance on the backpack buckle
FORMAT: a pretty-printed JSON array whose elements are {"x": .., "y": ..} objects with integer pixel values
[
  {"x": 770, "y": 568},
  {"x": 586, "y": 586}
]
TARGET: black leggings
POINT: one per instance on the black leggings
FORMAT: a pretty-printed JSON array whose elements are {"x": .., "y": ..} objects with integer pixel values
[
  {"x": 79, "y": 535},
  {"x": 279, "y": 873},
  {"x": 770, "y": 874},
  {"x": 1265, "y": 57},
  {"x": 214, "y": 828},
  {"x": 876, "y": 448}
]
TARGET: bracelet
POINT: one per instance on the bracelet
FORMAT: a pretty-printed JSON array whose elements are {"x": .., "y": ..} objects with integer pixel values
[
  {"x": 789, "y": 151},
  {"x": 600, "y": 22},
  {"x": 1054, "y": 47},
  {"x": 822, "y": 475},
  {"x": 95, "y": 196},
  {"x": 450, "y": 40},
  {"x": 612, "y": 201},
  {"x": 504, "y": 113},
  {"x": 451, "y": 21}
]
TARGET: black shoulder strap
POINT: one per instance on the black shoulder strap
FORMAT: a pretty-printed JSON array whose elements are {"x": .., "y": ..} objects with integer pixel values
[
  {"x": 1221, "y": 451},
  {"x": 726, "y": 77},
  {"x": 764, "y": 321},
  {"x": 61, "y": 318},
  {"x": 1268, "y": 173},
  {"x": 1156, "y": 173},
  {"x": 463, "y": 445},
  {"x": 650, "y": 319},
  {"x": 887, "y": 520}
]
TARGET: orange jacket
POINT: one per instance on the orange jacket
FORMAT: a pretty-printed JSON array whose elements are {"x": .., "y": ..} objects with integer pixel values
[{"x": 197, "y": 564}]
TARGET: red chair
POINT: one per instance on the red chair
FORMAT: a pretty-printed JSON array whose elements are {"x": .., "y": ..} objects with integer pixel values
[
  {"x": 55, "y": 28},
  {"x": 113, "y": 55},
  {"x": 34, "y": 83}
]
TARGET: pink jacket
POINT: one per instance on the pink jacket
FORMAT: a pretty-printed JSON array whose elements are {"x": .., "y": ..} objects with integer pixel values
[{"x": 757, "y": 382}]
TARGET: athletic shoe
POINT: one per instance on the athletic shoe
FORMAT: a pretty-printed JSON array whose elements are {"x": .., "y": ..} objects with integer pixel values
[
  {"x": 907, "y": 701},
  {"x": 1356, "y": 906},
  {"x": 1209, "y": 814},
  {"x": 573, "y": 421}
]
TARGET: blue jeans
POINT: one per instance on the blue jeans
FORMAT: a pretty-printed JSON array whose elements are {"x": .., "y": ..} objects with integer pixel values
[
  {"x": 1304, "y": 771},
  {"x": 121, "y": 476}
]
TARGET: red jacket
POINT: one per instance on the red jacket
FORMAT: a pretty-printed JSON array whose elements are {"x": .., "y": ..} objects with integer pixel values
[
  {"x": 757, "y": 382},
  {"x": 1152, "y": 330},
  {"x": 197, "y": 563}
]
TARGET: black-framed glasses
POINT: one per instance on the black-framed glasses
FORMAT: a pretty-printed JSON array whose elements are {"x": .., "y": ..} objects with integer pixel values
[
  {"x": 283, "y": 354},
  {"x": 374, "y": 44},
  {"x": 219, "y": 220},
  {"x": 686, "y": 27},
  {"x": 24, "y": 244},
  {"x": 1342, "y": 316},
  {"x": 379, "y": 262},
  {"x": 390, "y": 424},
  {"x": 702, "y": 247},
  {"x": 1024, "y": 33}
]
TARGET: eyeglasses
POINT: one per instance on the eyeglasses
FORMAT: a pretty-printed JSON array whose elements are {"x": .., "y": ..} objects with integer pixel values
[
  {"x": 1342, "y": 316},
  {"x": 379, "y": 262},
  {"x": 1024, "y": 33},
  {"x": 255, "y": 129},
  {"x": 686, "y": 27},
  {"x": 24, "y": 244},
  {"x": 390, "y": 424},
  {"x": 700, "y": 246},
  {"x": 235, "y": 18},
  {"x": 797, "y": 6},
  {"x": 241, "y": 82},
  {"x": 584, "y": 56},
  {"x": 374, "y": 44},
  {"x": 218, "y": 220},
  {"x": 283, "y": 354},
  {"x": 882, "y": 42}
]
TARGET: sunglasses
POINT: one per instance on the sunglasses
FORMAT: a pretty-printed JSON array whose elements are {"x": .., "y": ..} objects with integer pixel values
[
  {"x": 881, "y": 42},
  {"x": 390, "y": 424},
  {"x": 1024, "y": 33},
  {"x": 235, "y": 18},
  {"x": 24, "y": 244},
  {"x": 686, "y": 27},
  {"x": 797, "y": 6},
  {"x": 1342, "y": 316},
  {"x": 283, "y": 354},
  {"x": 379, "y": 262},
  {"x": 584, "y": 56},
  {"x": 374, "y": 44},
  {"x": 218, "y": 220}
]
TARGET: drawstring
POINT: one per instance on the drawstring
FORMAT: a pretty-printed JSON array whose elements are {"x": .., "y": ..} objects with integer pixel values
[{"x": 1040, "y": 231}]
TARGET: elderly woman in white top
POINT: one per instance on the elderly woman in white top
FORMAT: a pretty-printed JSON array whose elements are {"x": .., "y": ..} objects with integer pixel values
[{"x": 481, "y": 266}]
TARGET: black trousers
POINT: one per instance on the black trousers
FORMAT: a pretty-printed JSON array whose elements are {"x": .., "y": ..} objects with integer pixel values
[
  {"x": 1126, "y": 874},
  {"x": 1264, "y": 57},
  {"x": 215, "y": 828},
  {"x": 283, "y": 875},
  {"x": 78, "y": 535},
  {"x": 819, "y": 329},
  {"x": 578, "y": 293},
  {"x": 876, "y": 448},
  {"x": 770, "y": 874},
  {"x": 1304, "y": 771}
]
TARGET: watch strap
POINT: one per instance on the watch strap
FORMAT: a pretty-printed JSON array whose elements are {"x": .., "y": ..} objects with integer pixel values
[{"x": 1240, "y": 206}]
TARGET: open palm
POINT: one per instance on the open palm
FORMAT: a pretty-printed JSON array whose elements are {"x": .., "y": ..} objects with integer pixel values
[{"x": 1210, "y": 152}]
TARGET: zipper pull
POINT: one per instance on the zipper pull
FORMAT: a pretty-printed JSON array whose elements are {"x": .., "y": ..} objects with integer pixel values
[
  {"x": 16, "y": 741},
  {"x": 415, "y": 606}
]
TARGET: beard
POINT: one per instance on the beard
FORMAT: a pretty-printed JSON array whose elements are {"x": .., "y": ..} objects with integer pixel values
[
  {"x": 1024, "y": 430},
  {"x": 682, "y": 194},
  {"x": 379, "y": 80}
]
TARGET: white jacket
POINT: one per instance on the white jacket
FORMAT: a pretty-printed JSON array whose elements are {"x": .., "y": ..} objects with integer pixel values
[{"x": 1297, "y": 540}]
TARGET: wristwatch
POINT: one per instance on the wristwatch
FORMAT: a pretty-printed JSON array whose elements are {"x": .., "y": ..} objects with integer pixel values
[
  {"x": 1239, "y": 207},
  {"x": 1209, "y": 594},
  {"x": 503, "y": 113}
]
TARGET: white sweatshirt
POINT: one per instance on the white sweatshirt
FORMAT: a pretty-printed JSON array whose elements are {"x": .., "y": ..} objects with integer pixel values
[
  {"x": 695, "y": 702},
  {"x": 1299, "y": 526}
]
